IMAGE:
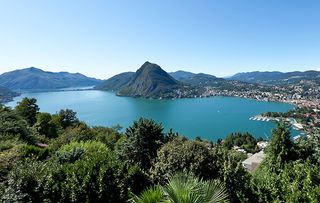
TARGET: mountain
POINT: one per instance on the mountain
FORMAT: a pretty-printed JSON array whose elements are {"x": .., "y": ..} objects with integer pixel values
[
  {"x": 34, "y": 78},
  {"x": 6, "y": 95},
  {"x": 180, "y": 75},
  {"x": 116, "y": 82},
  {"x": 149, "y": 81},
  {"x": 203, "y": 80},
  {"x": 278, "y": 78},
  {"x": 206, "y": 80}
]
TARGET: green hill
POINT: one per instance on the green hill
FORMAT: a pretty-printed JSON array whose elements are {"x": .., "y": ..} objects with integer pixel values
[
  {"x": 150, "y": 81},
  {"x": 116, "y": 82},
  {"x": 181, "y": 74}
]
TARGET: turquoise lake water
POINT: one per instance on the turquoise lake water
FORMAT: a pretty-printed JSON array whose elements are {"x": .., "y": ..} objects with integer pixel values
[{"x": 209, "y": 118}]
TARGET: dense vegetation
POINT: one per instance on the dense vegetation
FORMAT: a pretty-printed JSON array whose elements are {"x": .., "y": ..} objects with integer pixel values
[
  {"x": 242, "y": 140},
  {"x": 57, "y": 158}
]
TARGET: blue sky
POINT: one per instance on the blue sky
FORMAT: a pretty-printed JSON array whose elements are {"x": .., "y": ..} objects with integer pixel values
[{"x": 103, "y": 38}]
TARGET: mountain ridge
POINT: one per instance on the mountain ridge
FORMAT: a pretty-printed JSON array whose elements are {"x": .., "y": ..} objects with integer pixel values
[
  {"x": 277, "y": 77},
  {"x": 35, "y": 78}
]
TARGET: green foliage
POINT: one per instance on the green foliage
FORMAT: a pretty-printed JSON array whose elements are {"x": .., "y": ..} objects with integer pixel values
[
  {"x": 143, "y": 139},
  {"x": 290, "y": 173},
  {"x": 22, "y": 185},
  {"x": 68, "y": 118},
  {"x": 188, "y": 156},
  {"x": 8, "y": 158},
  {"x": 153, "y": 194},
  {"x": 280, "y": 149},
  {"x": 45, "y": 125},
  {"x": 185, "y": 188},
  {"x": 70, "y": 156},
  {"x": 108, "y": 136},
  {"x": 77, "y": 150},
  {"x": 28, "y": 109},
  {"x": 76, "y": 133},
  {"x": 205, "y": 161},
  {"x": 12, "y": 125},
  {"x": 296, "y": 182},
  {"x": 99, "y": 164},
  {"x": 96, "y": 177},
  {"x": 235, "y": 177},
  {"x": 34, "y": 151},
  {"x": 308, "y": 148},
  {"x": 245, "y": 141}
]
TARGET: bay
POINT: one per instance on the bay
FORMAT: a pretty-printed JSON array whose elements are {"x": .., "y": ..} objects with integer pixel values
[{"x": 209, "y": 118}]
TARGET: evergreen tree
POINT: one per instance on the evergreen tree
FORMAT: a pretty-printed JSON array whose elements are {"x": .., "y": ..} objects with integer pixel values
[
  {"x": 28, "y": 109},
  {"x": 142, "y": 141}
]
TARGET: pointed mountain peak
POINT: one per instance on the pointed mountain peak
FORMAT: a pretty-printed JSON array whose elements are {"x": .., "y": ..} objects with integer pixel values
[
  {"x": 147, "y": 66},
  {"x": 33, "y": 69}
]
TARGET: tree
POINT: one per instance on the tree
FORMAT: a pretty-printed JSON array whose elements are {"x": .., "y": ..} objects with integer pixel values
[
  {"x": 245, "y": 141},
  {"x": 45, "y": 125},
  {"x": 298, "y": 181},
  {"x": 280, "y": 149},
  {"x": 68, "y": 118},
  {"x": 13, "y": 125},
  {"x": 77, "y": 132},
  {"x": 108, "y": 136},
  {"x": 143, "y": 139},
  {"x": 187, "y": 156},
  {"x": 235, "y": 177},
  {"x": 28, "y": 109},
  {"x": 185, "y": 188}
]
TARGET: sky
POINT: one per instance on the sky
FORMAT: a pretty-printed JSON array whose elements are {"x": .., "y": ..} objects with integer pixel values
[{"x": 104, "y": 38}]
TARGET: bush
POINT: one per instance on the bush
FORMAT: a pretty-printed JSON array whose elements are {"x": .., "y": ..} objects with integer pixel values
[
  {"x": 34, "y": 151},
  {"x": 96, "y": 177}
]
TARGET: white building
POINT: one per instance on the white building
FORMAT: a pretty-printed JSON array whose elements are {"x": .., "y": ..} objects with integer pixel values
[{"x": 253, "y": 161}]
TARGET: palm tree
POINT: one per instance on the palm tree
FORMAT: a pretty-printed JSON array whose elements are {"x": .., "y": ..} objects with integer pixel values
[
  {"x": 185, "y": 188},
  {"x": 151, "y": 195}
]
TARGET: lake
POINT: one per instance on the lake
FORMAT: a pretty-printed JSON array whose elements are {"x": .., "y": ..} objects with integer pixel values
[{"x": 209, "y": 118}]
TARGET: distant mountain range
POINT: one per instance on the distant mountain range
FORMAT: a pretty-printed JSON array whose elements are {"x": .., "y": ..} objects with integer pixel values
[
  {"x": 149, "y": 81},
  {"x": 278, "y": 78},
  {"x": 34, "y": 78}
]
